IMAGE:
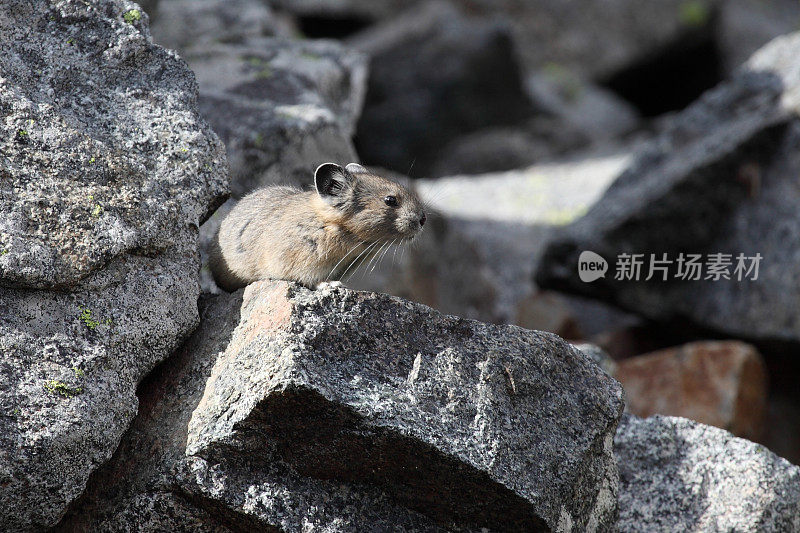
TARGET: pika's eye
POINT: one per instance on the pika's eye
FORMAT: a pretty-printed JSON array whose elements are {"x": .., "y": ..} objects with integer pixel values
[{"x": 391, "y": 201}]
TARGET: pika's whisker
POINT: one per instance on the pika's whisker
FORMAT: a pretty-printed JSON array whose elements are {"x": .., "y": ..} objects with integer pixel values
[
  {"x": 342, "y": 259},
  {"x": 365, "y": 250},
  {"x": 411, "y": 167},
  {"x": 364, "y": 261},
  {"x": 375, "y": 257},
  {"x": 394, "y": 256},
  {"x": 382, "y": 256}
]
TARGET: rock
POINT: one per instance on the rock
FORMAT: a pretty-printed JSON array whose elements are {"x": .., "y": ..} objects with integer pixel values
[
  {"x": 281, "y": 107},
  {"x": 721, "y": 384},
  {"x": 584, "y": 109},
  {"x": 325, "y": 391},
  {"x": 338, "y": 407},
  {"x": 182, "y": 24},
  {"x": 577, "y": 117},
  {"x": 76, "y": 192},
  {"x": 599, "y": 356},
  {"x": 678, "y": 475},
  {"x": 166, "y": 490},
  {"x": 720, "y": 178},
  {"x": 435, "y": 75},
  {"x": 592, "y": 39},
  {"x": 595, "y": 39},
  {"x": 497, "y": 149},
  {"x": 105, "y": 174},
  {"x": 747, "y": 25},
  {"x": 548, "y": 311},
  {"x": 344, "y": 9}
]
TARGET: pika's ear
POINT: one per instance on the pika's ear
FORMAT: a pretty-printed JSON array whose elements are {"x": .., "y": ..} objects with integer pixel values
[
  {"x": 355, "y": 168},
  {"x": 330, "y": 180}
]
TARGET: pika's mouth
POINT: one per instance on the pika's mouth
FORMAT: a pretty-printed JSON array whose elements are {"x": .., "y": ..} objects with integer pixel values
[{"x": 413, "y": 226}]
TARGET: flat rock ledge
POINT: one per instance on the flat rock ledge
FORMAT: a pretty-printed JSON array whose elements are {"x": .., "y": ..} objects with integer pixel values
[{"x": 341, "y": 410}]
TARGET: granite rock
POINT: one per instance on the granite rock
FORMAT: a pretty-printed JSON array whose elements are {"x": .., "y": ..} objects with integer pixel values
[
  {"x": 182, "y": 24},
  {"x": 152, "y": 485},
  {"x": 678, "y": 475},
  {"x": 599, "y": 356},
  {"x": 106, "y": 171},
  {"x": 291, "y": 408},
  {"x": 98, "y": 127},
  {"x": 432, "y": 409}
]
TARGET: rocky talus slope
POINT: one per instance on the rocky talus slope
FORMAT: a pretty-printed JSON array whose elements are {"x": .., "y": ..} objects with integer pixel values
[{"x": 131, "y": 401}]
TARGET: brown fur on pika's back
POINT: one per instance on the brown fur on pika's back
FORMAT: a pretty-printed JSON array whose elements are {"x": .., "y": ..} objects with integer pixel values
[{"x": 313, "y": 236}]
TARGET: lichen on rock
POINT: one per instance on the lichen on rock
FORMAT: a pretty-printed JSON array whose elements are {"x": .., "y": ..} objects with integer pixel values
[{"x": 99, "y": 210}]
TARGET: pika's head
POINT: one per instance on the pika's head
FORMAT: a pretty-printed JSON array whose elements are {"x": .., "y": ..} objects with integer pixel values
[{"x": 371, "y": 207}]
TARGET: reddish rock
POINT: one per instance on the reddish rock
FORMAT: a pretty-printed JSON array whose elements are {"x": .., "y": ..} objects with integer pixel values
[{"x": 723, "y": 384}]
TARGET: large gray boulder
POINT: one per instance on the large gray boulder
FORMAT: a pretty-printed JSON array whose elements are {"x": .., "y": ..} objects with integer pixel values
[
  {"x": 435, "y": 75},
  {"x": 595, "y": 39},
  {"x": 342, "y": 410},
  {"x": 678, "y": 475},
  {"x": 106, "y": 171},
  {"x": 281, "y": 107},
  {"x": 721, "y": 177}
]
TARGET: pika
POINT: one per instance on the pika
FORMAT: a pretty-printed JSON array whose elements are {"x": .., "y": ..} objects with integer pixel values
[{"x": 286, "y": 233}]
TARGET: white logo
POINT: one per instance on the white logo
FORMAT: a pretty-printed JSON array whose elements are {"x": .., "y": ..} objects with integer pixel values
[{"x": 591, "y": 266}]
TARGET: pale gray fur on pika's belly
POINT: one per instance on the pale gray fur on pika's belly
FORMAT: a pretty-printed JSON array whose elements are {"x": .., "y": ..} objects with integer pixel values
[{"x": 309, "y": 236}]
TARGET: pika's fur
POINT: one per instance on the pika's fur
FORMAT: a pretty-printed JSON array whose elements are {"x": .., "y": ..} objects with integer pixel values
[{"x": 313, "y": 236}]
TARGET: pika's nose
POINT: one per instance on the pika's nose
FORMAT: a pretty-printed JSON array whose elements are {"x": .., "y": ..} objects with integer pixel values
[{"x": 422, "y": 220}]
